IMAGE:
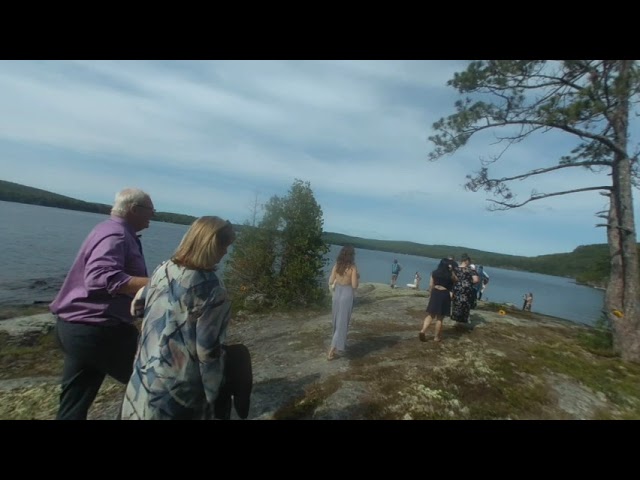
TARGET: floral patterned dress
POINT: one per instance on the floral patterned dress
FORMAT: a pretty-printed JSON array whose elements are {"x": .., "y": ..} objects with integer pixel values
[
  {"x": 463, "y": 295},
  {"x": 179, "y": 367}
]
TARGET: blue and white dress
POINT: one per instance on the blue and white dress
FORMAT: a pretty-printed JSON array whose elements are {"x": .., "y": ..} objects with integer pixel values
[{"x": 179, "y": 365}]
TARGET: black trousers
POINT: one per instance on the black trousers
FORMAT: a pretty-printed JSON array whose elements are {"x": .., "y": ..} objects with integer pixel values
[
  {"x": 90, "y": 353},
  {"x": 238, "y": 383}
]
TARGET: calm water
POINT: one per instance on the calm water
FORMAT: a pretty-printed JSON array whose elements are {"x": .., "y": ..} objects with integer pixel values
[{"x": 40, "y": 243}]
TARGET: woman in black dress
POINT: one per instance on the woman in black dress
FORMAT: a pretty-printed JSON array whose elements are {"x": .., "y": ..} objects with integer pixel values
[{"x": 440, "y": 285}]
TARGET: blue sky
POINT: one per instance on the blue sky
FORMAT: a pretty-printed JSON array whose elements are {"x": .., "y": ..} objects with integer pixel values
[{"x": 207, "y": 137}]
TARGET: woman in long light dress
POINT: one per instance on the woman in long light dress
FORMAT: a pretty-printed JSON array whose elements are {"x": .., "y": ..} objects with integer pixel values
[{"x": 345, "y": 279}]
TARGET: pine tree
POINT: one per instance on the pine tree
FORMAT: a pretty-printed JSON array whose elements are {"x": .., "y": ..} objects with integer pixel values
[
  {"x": 590, "y": 100},
  {"x": 282, "y": 258}
]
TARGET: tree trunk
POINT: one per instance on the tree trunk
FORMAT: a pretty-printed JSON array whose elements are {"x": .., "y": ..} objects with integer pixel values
[
  {"x": 621, "y": 299},
  {"x": 624, "y": 295},
  {"x": 622, "y": 290}
]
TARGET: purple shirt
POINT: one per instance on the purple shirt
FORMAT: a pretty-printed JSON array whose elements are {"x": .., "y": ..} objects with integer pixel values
[{"x": 110, "y": 255}]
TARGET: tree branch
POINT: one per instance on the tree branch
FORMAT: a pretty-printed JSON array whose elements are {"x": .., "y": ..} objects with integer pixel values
[
  {"x": 540, "y": 196},
  {"x": 539, "y": 124},
  {"x": 540, "y": 171}
]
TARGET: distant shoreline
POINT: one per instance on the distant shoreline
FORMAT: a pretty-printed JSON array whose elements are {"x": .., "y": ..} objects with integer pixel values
[{"x": 583, "y": 262}]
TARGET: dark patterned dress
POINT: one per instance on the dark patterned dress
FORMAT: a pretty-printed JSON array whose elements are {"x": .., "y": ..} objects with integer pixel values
[
  {"x": 178, "y": 369},
  {"x": 463, "y": 295}
]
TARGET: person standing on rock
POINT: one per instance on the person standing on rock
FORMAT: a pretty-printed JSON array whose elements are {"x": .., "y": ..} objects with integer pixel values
[
  {"x": 395, "y": 271},
  {"x": 180, "y": 365},
  {"x": 484, "y": 281},
  {"x": 416, "y": 281},
  {"x": 94, "y": 326},
  {"x": 346, "y": 278},
  {"x": 439, "y": 306},
  {"x": 528, "y": 301}
]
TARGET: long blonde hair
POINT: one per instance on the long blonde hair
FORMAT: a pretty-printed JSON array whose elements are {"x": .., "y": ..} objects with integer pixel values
[{"x": 201, "y": 246}]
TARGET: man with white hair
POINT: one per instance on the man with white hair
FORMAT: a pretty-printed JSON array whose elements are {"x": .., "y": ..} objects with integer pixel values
[{"x": 94, "y": 325}]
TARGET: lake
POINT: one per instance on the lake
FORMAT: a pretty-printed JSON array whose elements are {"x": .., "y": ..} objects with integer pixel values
[{"x": 40, "y": 243}]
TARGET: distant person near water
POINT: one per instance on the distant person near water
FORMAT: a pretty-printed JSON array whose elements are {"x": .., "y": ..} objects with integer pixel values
[
  {"x": 528, "y": 301},
  {"x": 484, "y": 281},
  {"x": 395, "y": 271},
  {"x": 416, "y": 282},
  {"x": 345, "y": 278}
]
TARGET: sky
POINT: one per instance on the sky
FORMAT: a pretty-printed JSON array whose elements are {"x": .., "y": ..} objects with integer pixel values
[{"x": 214, "y": 137}]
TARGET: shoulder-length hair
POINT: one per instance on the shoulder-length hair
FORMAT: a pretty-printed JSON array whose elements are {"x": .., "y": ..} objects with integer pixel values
[
  {"x": 346, "y": 258},
  {"x": 201, "y": 246}
]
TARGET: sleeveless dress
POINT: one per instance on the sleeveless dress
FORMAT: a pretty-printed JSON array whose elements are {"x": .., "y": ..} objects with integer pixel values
[{"x": 341, "y": 308}]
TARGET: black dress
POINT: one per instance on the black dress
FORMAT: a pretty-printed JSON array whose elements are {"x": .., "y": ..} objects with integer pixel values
[{"x": 440, "y": 300}]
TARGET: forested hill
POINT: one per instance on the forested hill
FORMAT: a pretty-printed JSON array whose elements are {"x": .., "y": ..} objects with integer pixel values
[
  {"x": 14, "y": 192},
  {"x": 587, "y": 264}
]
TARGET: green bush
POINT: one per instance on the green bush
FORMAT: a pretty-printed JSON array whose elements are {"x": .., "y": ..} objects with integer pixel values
[{"x": 281, "y": 260}]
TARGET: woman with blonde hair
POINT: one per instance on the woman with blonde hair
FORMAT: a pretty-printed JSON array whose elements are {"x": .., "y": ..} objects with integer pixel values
[
  {"x": 179, "y": 366},
  {"x": 345, "y": 278}
]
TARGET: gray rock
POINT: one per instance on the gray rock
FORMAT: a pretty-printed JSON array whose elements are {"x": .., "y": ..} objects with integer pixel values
[
  {"x": 41, "y": 323},
  {"x": 254, "y": 301}
]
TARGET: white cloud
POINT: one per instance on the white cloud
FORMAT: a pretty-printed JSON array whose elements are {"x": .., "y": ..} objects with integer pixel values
[{"x": 202, "y": 135}]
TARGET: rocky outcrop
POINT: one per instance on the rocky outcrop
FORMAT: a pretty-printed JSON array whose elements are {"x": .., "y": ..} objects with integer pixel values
[
  {"x": 516, "y": 365},
  {"x": 35, "y": 324}
]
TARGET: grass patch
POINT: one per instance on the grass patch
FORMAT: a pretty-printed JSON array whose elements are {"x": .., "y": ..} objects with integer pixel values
[
  {"x": 394, "y": 399},
  {"x": 303, "y": 408},
  {"x": 416, "y": 400},
  {"x": 469, "y": 385},
  {"x": 511, "y": 311},
  {"x": 41, "y": 402},
  {"x": 30, "y": 356},
  {"x": 598, "y": 340},
  {"x": 619, "y": 382},
  {"x": 521, "y": 396},
  {"x": 35, "y": 403}
]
